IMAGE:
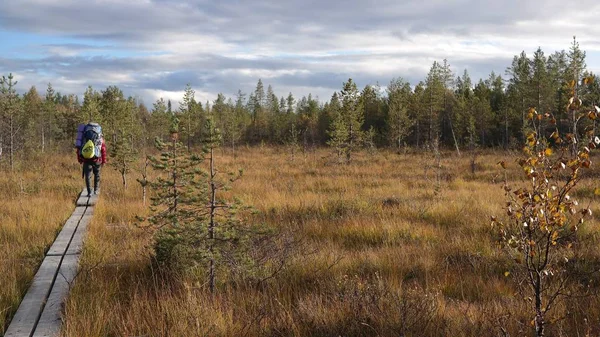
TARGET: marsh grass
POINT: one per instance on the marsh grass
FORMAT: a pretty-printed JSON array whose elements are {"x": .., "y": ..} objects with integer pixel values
[
  {"x": 36, "y": 201},
  {"x": 384, "y": 255}
]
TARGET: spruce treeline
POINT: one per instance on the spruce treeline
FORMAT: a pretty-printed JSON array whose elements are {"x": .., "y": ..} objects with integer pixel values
[
  {"x": 445, "y": 108},
  {"x": 35, "y": 125}
]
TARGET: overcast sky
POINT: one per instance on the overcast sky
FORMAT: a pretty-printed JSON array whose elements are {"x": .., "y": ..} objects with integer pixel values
[{"x": 152, "y": 48}]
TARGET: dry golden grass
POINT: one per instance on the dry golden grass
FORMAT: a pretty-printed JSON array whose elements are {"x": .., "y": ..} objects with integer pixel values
[
  {"x": 36, "y": 201},
  {"x": 384, "y": 255}
]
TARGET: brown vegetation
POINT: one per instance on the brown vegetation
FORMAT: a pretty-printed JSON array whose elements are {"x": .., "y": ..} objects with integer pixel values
[{"x": 383, "y": 255}]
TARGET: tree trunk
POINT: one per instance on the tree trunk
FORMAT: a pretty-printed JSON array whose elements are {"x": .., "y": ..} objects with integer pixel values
[
  {"x": 12, "y": 143},
  {"x": 430, "y": 140},
  {"x": 144, "y": 181},
  {"x": 175, "y": 191},
  {"x": 211, "y": 226},
  {"x": 418, "y": 133},
  {"x": 472, "y": 146},
  {"x": 540, "y": 110},
  {"x": 350, "y": 147},
  {"x": 454, "y": 137},
  {"x": 233, "y": 145},
  {"x": 539, "y": 316},
  {"x": 124, "y": 179},
  {"x": 189, "y": 132},
  {"x": 43, "y": 137},
  {"x": 144, "y": 195},
  {"x": 506, "y": 129}
]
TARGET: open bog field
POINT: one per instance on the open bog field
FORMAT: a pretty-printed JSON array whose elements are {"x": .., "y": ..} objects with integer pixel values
[
  {"x": 34, "y": 203},
  {"x": 388, "y": 245}
]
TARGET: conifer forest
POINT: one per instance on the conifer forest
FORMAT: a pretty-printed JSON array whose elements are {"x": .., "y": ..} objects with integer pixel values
[{"x": 446, "y": 107}]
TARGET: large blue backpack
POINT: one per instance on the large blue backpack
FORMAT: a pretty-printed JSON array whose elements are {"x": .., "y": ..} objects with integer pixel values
[{"x": 88, "y": 136}]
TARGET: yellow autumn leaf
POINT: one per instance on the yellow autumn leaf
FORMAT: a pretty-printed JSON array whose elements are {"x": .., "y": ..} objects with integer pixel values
[
  {"x": 588, "y": 80},
  {"x": 548, "y": 152},
  {"x": 506, "y": 273}
]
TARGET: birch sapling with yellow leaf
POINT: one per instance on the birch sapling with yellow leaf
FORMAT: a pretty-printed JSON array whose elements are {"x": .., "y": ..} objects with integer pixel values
[{"x": 542, "y": 217}]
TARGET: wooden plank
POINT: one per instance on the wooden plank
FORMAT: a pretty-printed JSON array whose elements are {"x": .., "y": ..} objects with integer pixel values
[
  {"x": 83, "y": 198},
  {"x": 26, "y": 317},
  {"x": 60, "y": 245},
  {"x": 93, "y": 200},
  {"x": 42, "y": 305},
  {"x": 50, "y": 321},
  {"x": 78, "y": 212},
  {"x": 77, "y": 243}
]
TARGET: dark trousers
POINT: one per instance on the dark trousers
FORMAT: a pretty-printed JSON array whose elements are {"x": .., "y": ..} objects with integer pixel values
[{"x": 88, "y": 168}]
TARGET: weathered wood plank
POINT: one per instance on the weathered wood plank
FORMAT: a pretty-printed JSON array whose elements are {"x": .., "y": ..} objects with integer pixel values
[
  {"x": 42, "y": 305},
  {"x": 50, "y": 321},
  {"x": 26, "y": 317},
  {"x": 93, "y": 200},
  {"x": 84, "y": 200},
  {"x": 78, "y": 212},
  {"x": 77, "y": 243},
  {"x": 59, "y": 247}
]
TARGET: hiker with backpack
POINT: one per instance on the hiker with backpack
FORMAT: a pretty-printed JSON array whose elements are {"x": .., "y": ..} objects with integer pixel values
[{"x": 91, "y": 152}]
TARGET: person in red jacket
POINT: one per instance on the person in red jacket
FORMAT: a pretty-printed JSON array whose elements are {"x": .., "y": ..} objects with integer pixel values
[{"x": 93, "y": 165}]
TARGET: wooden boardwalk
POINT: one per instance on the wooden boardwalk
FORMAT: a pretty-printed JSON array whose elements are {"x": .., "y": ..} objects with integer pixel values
[{"x": 39, "y": 313}]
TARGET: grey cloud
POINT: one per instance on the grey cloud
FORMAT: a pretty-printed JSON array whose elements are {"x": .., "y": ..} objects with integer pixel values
[
  {"x": 247, "y": 21},
  {"x": 245, "y": 37}
]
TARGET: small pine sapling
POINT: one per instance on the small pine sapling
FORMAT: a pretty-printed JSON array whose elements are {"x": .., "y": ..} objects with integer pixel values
[
  {"x": 338, "y": 138},
  {"x": 436, "y": 167},
  {"x": 345, "y": 134},
  {"x": 292, "y": 141},
  {"x": 369, "y": 141},
  {"x": 177, "y": 203},
  {"x": 543, "y": 217},
  {"x": 198, "y": 233},
  {"x": 123, "y": 156},
  {"x": 229, "y": 239}
]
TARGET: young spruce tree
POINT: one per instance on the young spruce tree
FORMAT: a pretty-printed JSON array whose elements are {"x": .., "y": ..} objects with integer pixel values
[
  {"x": 123, "y": 156},
  {"x": 346, "y": 134}
]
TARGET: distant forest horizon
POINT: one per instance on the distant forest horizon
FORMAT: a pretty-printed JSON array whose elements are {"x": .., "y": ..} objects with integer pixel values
[{"x": 446, "y": 107}]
